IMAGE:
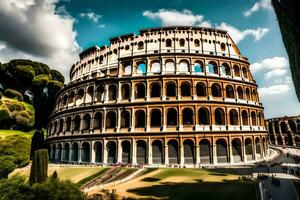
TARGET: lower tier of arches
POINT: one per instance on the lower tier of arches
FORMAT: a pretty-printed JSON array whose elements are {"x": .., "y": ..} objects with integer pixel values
[
  {"x": 288, "y": 139},
  {"x": 161, "y": 150}
]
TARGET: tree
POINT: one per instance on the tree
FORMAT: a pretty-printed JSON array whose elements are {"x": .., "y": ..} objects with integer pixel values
[
  {"x": 39, "y": 167},
  {"x": 37, "y": 142},
  {"x": 57, "y": 76}
]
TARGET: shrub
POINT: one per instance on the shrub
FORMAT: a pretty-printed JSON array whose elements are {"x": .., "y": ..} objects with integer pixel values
[
  {"x": 13, "y": 94},
  {"x": 7, "y": 165}
]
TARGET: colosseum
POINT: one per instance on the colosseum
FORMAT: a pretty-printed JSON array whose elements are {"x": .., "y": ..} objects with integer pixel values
[
  {"x": 169, "y": 96},
  {"x": 284, "y": 130}
]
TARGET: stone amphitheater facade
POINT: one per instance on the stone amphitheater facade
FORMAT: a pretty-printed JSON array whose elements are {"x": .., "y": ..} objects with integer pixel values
[
  {"x": 284, "y": 130},
  {"x": 167, "y": 96}
]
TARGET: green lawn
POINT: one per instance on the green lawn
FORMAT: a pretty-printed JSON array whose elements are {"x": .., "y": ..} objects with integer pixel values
[
  {"x": 5, "y": 133},
  {"x": 188, "y": 184}
]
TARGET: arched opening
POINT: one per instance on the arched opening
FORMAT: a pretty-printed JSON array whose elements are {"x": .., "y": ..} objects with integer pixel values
[
  {"x": 198, "y": 67},
  {"x": 181, "y": 42},
  {"x": 245, "y": 74},
  {"x": 74, "y": 152},
  {"x": 233, "y": 117},
  {"x": 245, "y": 118},
  {"x": 140, "y": 45},
  {"x": 172, "y": 117},
  {"x": 279, "y": 140},
  {"x": 99, "y": 93},
  {"x": 125, "y": 119},
  {"x": 77, "y": 123},
  {"x": 68, "y": 124},
  {"x": 157, "y": 152},
  {"x": 248, "y": 94},
  {"x": 125, "y": 89},
  {"x": 258, "y": 147},
  {"x": 189, "y": 152},
  {"x": 171, "y": 89},
  {"x": 226, "y": 69},
  {"x": 253, "y": 118},
  {"x": 59, "y": 152},
  {"x": 155, "y": 118},
  {"x": 128, "y": 69},
  {"x": 55, "y": 127},
  {"x": 201, "y": 89},
  {"x": 216, "y": 90},
  {"x": 112, "y": 94},
  {"x": 53, "y": 153},
  {"x": 173, "y": 152},
  {"x": 66, "y": 153},
  {"x": 283, "y": 127},
  {"x": 89, "y": 95},
  {"x": 183, "y": 66},
  {"x": 213, "y": 68},
  {"x": 98, "y": 152},
  {"x": 236, "y": 150},
  {"x": 292, "y": 125},
  {"x": 86, "y": 122},
  {"x": 126, "y": 152},
  {"x": 185, "y": 89},
  {"x": 111, "y": 152},
  {"x": 71, "y": 98},
  {"x": 155, "y": 67},
  {"x": 168, "y": 43},
  {"x": 188, "y": 116},
  {"x": 229, "y": 92},
  {"x": 79, "y": 97},
  {"x": 140, "y": 119},
  {"x": 203, "y": 114},
  {"x": 98, "y": 120},
  {"x": 240, "y": 92},
  {"x": 236, "y": 70},
  {"x": 221, "y": 146},
  {"x": 85, "y": 152},
  {"x": 155, "y": 90},
  {"x": 111, "y": 119},
  {"x": 219, "y": 117},
  {"x": 140, "y": 91},
  {"x": 61, "y": 125},
  {"x": 205, "y": 152},
  {"x": 170, "y": 66},
  {"x": 196, "y": 43},
  {"x": 141, "y": 153},
  {"x": 141, "y": 68},
  {"x": 248, "y": 148}
]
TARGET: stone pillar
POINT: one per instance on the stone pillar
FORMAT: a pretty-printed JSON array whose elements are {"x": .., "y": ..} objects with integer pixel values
[
  {"x": 244, "y": 156},
  {"x": 133, "y": 152},
  {"x": 254, "y": 150},
  {"x": 106, "y": 93},
  {"x": 119, "y": 151},
  {"x": 105, "y": 153},
  {"x": 104, "y": 121},
  {"x": 119, "y": 119},
  {"x": 197, "y": 154},
  {"x": 79, "y": 153},
  {"x": 93, "y": 153},
  {"x": 149, "y": 152},
  {"x": 214, "y": 153},
  {"x": 181, "y": 148},
  {"x": 147, "y": 91},
  {"x": 70, "y": 152},
  {"x": 166, "y": 154},
  {"x": 230, "y": 154},
  {"x": 119, "y": 92},
  {"x": 148, "y": 120},
  {"x": 164, "y": 120},
  {"x": 132, "y": 97},
  {"x": 132, "y": 120}
]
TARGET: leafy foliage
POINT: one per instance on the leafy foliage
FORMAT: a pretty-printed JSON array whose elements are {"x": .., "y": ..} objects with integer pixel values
[
  {"x": 16, "y": 188},
  {"x": 39, "y": 167},
  {"x": 56, "y": 76},
  {"x": 14, "y": 152}
]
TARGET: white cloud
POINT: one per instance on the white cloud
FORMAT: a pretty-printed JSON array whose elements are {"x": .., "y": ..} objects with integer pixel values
[
  {"x": 238, "y": 35},
  {"x": 34, "y": 29},
  {"x": 270, "y": 64},
  {"x": 91, "y": 16},
  {"x": 188, "y": 18},
  {"x": 259, "y": 5},
  {"x": 275, "y": 73},
  {"x": 273, "y": 90},
  {"x": 174, "y": 17}
]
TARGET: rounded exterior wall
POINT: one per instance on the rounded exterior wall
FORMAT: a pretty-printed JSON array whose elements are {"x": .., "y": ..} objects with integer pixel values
[{"x": 170, "y": 96}]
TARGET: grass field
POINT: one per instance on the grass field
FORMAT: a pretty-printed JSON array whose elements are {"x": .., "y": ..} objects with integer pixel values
[
  {"x": 5, "y": 133},
  {"x": 75, "y": 174},
  {"x": 186, "y": 184}
]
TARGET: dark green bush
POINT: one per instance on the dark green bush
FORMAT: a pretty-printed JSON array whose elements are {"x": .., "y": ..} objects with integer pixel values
[
  {"x": 57, "y": 76},
  {"x": 11, "y": 93},
  {"x": 7, "y": 165}
]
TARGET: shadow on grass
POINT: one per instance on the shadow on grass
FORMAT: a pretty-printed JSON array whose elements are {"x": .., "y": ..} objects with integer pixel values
[
  {"x": 150, "y": 179},
  {"x": 233, "y": 190},
  {"x": 217, "y": 174}
]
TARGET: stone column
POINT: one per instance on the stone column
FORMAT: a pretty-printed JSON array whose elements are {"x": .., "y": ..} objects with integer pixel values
[
  {"x": 106, "y": 93},
  {"x": 147, "y": 91},
  {"x": 181, "y": 148},
  {"x": 164, "y": 120},
  {"x": 105, "y": 153},
  {"x": 93, "y": 160},
  {"x": 197, "y": 154},
  {"x": 166, "y": 154},
  {"x": 149, "y": 152},
  {"x": 214, "y": 153},
  {"x": 79, "y": 153},
  {"x": 119, "y": 119},
  {"x": 230, "y": 154},
  {"x": 119, "y": 92},
  {"x": 132, "y": 120},
  {"x": 133, "y": 152},
  {"x": 119, "y": 151},
  {"x": 132, "y": 97},
  {"x": 148, "y": 120},
  {"x": 104, "y": 121},
  {"x": 244, "y": 156}
]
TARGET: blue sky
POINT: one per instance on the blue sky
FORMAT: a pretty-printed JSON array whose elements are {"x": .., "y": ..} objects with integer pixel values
[{"x": 55, "y": 31}]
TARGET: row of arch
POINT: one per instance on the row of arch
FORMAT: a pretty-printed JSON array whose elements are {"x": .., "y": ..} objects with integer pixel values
[
  {"x": 171, "y": 118},
  {"x": 156, "y": 89},
  {"x": 158, "y": 152}
]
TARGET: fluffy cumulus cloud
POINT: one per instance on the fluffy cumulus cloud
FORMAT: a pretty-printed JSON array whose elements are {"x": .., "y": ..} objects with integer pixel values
[
  {"x": 38, "y": 30},
  {"x": 91, "y": 16},
  {"x": 279, "y": 89},
  {"x": 188, "y": 18},
  {"x": 270, "y": 64},
  {"x": 259, "y": 5}
]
